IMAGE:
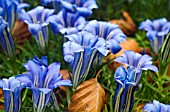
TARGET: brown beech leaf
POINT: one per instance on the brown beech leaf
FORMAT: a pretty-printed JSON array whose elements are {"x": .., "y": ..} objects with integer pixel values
[
  {"x": 127, "y": 25},
  {"x": 20, "y": 32},
  {"x": 88, "y": 97}
]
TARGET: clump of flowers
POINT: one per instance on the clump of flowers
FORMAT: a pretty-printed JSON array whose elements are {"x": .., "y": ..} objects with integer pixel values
[
  {"x": 82, "y": 7},
  {"x": 80, "y": 52},
  {"x": 12, "y": 93},
  {"x": 128, "y": 78},
  {"x": 67, "y": 23},
  {"x": 42, "y": 79},
  {"x": 156, "y": 32},
  {"x": 108, "y": 31}
]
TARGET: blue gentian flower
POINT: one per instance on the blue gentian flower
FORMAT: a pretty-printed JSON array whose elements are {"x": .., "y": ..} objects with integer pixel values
[
  {"x": 8, "y": 10},
  {"x": 82, "y": 7},
  {"x": 156, "y": 106},
  {"x": 12, "y": 93},
  {"x": 42, "y": 79},
  {"x": 6, "y": 39},
  {"x": 126, "y": 86},
  {"x": 67, "y": 23},
  {"x": 56, "y": 4},
  {"x": 37, "y": 20},
  {"x": 156, "y": 32},
  {"x": 108, "y": 31},
  {"x": 136, "y": 60},
  {"x": 80, "y": 52}
]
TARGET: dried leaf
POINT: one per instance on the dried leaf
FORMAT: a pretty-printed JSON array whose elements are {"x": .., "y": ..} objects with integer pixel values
[
  {"x": 127, "y": 25},
  {"x": 89, "y": 97},
  {"x": 20, "y": 32}
]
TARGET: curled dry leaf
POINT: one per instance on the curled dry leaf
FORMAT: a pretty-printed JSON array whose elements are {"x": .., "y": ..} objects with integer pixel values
[
  {"x": 89, "y": 97},
  {"x": 20, "y": 32},
  {"x": 127, "y": 25}
]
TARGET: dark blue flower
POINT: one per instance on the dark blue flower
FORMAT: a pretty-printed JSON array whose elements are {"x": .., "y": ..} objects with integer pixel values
[
  {"x": 126, "y": 86},
  {"x": 12, "y": 92},
  {"x": 82, "y": 7},
  {"x": 8, "y": 10},
  {"x": 156, "y": 106},
  {"x": 37, "y": 20},
  {"x": 108, "y": 31},
  {"x": 80, "y": 52},
  {"x": 156, "y": 32},
  {"x": 67, "y": 23},
  {"x": 6, "y": 39},
  {"x": 42, "y": 79},
  {"x": 138, "y": 61}
]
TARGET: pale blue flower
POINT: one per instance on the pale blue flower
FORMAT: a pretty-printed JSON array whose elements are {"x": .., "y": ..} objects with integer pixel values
[
  {"x": 138, "y": 61},
  {"x": 82, "y": 7},
  {"x": 80, "y": 52},
  {"x": 37, "y": 20},
  {"x": 156, "y": 106},
  {"x": 156, "y": 32},
  {"x": 12, "y": 93},
  {"x": 126, "y": 86},
  {"x": 42, "y": 79},
  {"x": 108, "y": 31},
  {"x": 67, "y": 23}
]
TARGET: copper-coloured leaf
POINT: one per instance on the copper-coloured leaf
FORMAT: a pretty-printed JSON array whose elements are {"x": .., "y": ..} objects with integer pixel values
[
  {"x": 89, "y": 97},
  {"x": 126, "y": 24},
  {"x": 20, "y": 32}
]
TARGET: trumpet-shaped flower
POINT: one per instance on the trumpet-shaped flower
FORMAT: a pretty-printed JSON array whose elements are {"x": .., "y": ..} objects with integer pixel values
[
  {"x": 82, "y": 7},
  {"x": 37, "y": 20},
  {"x": 138, "y": 61},
  {"x": 8, "y": 10},
  {"x": 6, "y": 39},
  {"x": 80, "y": 52},
  {"x": 55, "y": 4},
  {"x": 42, "y": 79},
  {"x": 12, "y": 93},
  {"x": 67, "y": 23},
  {"x": 108, "y": 31},
  {"x": 156, "y": 32},
  {"x": 156, "y": 106},
  {"x": 126, "y": 86}
]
